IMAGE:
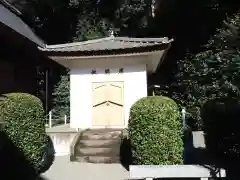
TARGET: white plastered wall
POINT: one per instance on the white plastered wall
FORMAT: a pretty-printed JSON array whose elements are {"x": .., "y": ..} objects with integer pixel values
[{"x": 135, "y": 87}]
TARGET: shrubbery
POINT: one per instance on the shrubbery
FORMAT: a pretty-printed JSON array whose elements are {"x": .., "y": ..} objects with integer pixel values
[
  {"x": 155, "y": 131},
  {"x": 23, "y": 117},
  {"x": 221, "y": 127}
]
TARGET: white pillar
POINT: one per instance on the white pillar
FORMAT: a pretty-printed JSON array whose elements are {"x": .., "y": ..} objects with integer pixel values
[
  {"x": 184, "y": 118},
  {"x": 65, "y": 119}
]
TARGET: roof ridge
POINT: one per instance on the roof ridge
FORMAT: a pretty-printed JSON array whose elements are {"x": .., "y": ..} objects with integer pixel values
[
  {"x": 78, "y": 43},
  {"x": 131, "y": 39},
  {"x": 108, "y": 43}
]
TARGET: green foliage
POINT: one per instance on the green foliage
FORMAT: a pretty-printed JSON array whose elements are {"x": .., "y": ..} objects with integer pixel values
[
  {"x": 23, "y": 115},
  {"x": 96, "y": 18},
  {"x": 132, "y": 16},
  {"x": 155, "y": 131},
  {"x": 212, "y": 73},
  {"x": 59, "y": 21},
  {"x": 61, "y": 97},
  {"x": 87, "y": 30},
  {"x": 83, "y": 20}
]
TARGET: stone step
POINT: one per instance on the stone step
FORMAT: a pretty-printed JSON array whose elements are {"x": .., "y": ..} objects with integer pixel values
[
  {"x": 97, "y": 151},
  {"x": 100, "y": 136},
  {"x": 99, "y": 146},
  {"x": 98, "y": 159},
  {"x": 102, "y": 131},
  {"x": 100, "y": 143},
  {"x": 104, "y": 134}
]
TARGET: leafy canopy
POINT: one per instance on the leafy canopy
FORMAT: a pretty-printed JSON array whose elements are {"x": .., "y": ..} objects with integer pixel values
[{"x": 212, "y": 73}]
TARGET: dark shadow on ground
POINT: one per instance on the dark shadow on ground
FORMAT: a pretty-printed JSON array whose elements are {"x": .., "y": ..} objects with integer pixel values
[
  {"x": 201, "y": 156},
  {"x": 125, "y": 153},
  {"x": 212, "y": 161},
  {"x": 222, "y": 134},
  {"x": 13, "y": 164},
  {"x": 49, "y": 156}
]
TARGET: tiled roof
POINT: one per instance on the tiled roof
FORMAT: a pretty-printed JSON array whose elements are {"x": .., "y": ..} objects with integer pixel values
[{"x": 107, "y": 44}]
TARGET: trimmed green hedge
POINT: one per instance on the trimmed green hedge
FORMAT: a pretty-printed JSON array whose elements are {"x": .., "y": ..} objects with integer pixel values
[
  {"x": 155, "y": 131},
  {"x": 23, "y": 117}
]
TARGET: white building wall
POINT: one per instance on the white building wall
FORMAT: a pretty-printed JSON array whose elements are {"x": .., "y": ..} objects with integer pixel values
[
  {"x": 135, "y": 87},
  {"x": 80, "y": 98}
]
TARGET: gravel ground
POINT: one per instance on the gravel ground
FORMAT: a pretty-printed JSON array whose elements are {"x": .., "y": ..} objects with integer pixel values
[{"x": 63, "y": 169}]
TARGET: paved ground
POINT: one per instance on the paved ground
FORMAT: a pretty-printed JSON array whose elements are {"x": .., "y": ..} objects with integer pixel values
[{"x": 62, "y": 169}]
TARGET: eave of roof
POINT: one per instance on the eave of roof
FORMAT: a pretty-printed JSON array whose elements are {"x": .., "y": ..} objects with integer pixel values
[
  {"x": 109, "y": 45},
  {"x": 10, "y": 17},
  {"x": 10, "y": 7}
]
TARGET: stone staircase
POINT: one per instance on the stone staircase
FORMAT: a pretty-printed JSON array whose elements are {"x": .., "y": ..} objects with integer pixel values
[{"x": 99, "y": 146}]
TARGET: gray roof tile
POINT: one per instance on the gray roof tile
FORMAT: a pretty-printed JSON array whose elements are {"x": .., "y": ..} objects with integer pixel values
[{"x": 109, "y": 43}]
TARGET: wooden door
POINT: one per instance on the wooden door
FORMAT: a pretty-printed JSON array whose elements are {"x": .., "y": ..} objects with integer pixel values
[{"x": 108, "y": 104}]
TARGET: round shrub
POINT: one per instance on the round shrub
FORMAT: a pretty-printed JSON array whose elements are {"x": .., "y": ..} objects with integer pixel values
[
  {"x": 155, "y": 131},
  {"x": 23, "y": 118}
]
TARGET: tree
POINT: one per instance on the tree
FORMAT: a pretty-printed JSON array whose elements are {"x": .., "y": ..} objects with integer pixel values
[
  {"x": 133, "y": 17},
  {"x": 88, "y": 29},
  {"x": 61, "y": 97},
  {"x": 212, "y": 73}
]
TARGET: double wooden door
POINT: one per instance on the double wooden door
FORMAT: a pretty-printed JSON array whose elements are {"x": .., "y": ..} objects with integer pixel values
[{"x": 108, "y": 104}]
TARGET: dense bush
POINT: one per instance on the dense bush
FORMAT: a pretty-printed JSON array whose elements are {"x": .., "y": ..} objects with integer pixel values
[
  {"x": 221, "y": 127},
  {"x": 23, "y": 117},
  {"x": 155, "y": 131}
]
